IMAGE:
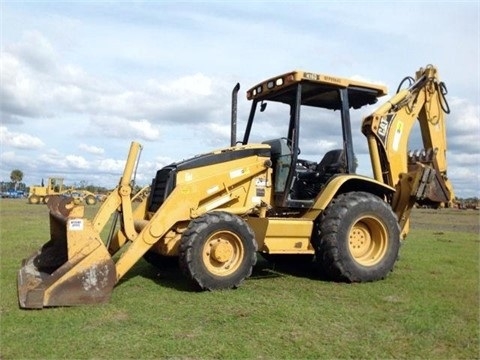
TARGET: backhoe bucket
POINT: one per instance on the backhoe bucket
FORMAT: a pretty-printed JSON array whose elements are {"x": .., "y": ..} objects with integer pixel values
[{"x": 73, "y": 268}]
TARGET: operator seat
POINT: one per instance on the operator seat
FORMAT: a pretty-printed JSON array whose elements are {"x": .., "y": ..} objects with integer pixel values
[
  {"x": 309, "y": 183},
  {"x": 333, "y": 162}
]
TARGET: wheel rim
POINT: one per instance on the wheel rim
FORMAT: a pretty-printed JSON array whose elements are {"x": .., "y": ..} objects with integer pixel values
[
  {"x": 223, "y": 253},
  {"x": 368, "y": 240}
]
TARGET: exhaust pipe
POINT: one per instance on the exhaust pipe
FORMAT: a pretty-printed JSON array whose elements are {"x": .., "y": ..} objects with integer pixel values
[{"x": 233, "y": 130}]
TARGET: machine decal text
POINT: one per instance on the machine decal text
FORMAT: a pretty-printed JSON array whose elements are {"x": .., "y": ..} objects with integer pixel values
[{"x": 75, "y": 224}]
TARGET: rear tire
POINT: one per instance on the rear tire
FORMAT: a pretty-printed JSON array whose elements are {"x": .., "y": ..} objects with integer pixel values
[
  {"x": 357, "y": 238},
  {"x": 217, "y": 251}
]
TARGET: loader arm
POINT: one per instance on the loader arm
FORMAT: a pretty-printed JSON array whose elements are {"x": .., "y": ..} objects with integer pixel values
[
  {"x": 421, "y": 175},
  {"x": 74, "y": 266},
  {"x": 120, "y": 198}
]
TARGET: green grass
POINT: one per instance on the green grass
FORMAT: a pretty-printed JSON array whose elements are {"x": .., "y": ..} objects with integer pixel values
[{"x": 427, "y": 308}]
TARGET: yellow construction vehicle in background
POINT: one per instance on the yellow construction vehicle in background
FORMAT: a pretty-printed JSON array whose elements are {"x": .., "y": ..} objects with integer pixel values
[
  {"x": 216, "y": 211},
  {"x": 41, "y": 194},
  {"x": 55, "y": 186}
]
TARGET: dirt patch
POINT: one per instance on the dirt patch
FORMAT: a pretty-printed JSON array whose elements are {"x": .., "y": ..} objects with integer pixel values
[{"x": 446, "y": 220}]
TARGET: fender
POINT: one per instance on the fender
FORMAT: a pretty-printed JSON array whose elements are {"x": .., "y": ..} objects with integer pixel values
[{"x": 344, "y": 183}]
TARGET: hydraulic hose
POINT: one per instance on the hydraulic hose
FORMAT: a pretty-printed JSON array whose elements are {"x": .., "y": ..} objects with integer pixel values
[{"x": 442, "y": 90}]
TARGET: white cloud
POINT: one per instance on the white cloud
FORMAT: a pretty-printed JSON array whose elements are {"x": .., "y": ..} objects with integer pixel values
[
  {"x": 32, "y": 89},
  {"x": 7, "y": 157},
  {"x": 111, "y": 166},
  {"x": 183, "y": 87},
  {"x": 463, "y": 126},
  {"x": 51, "y": 159},
  {"x": 468, "y": 162},
  {"x": 36, "y": 50},
  {"x": 215, "y": 135},
  {"x": 95, "y": 150},
  {"x": 18, "y": 92},
  {"x": 76, "y": 162},
  {"x": 466, "y": 115},
  {"x": 117, "y": 127},
  {"x": 19, "y": 140},
  {"x": 144, "y": 129}
]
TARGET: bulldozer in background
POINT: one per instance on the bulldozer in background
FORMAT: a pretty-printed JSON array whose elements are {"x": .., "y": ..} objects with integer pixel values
[
  {"x": 55, "y": 186},
  {"x": 216, "y": 211}
]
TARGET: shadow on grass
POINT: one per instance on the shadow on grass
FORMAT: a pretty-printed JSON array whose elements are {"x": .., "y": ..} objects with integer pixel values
[
  {"x": 170, "y": 275},
  {"x": 302, "y": 266}
]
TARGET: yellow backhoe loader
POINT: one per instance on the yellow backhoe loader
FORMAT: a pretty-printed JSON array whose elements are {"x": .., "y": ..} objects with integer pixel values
[{"x": 215, "y": 212}]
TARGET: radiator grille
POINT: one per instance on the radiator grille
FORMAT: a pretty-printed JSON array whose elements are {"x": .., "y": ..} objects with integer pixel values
[{"x": 162, "y": 185}]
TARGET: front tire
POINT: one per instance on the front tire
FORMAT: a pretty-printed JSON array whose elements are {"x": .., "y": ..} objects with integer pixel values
[
  {"x": 217, "y": 251},
  {"x": 34, "y": 199},
  {"x": 357, "y": 238},
  {"x": 90, "y": 200}
]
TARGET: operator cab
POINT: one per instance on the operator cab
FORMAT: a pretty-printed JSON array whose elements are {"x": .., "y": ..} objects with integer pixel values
[{"x": 297, "y": 182}]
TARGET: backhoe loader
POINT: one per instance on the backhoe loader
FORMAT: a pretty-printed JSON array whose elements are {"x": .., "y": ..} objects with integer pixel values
[{"x": 215, "y": 212}]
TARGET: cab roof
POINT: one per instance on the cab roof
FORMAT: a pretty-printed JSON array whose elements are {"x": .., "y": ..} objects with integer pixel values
[{"x": 318, "y": 90}]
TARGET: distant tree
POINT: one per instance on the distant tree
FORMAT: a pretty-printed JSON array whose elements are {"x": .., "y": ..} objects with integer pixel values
[
  {"x": 82, "y": 185},
  {"x": 16, "y": 176}
]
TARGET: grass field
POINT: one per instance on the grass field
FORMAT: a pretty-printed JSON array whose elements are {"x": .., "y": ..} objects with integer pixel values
[{"x": 427, "y": 308}]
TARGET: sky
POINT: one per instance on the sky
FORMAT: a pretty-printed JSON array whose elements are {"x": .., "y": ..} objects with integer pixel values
[{"x": 81, "y": 80}]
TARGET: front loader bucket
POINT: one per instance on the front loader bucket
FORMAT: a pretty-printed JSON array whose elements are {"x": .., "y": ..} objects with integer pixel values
[{"x": 73, "y": 268}]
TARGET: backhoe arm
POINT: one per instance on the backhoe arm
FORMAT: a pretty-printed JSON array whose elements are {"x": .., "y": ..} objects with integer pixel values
[{"x": 420, "y": 175}]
